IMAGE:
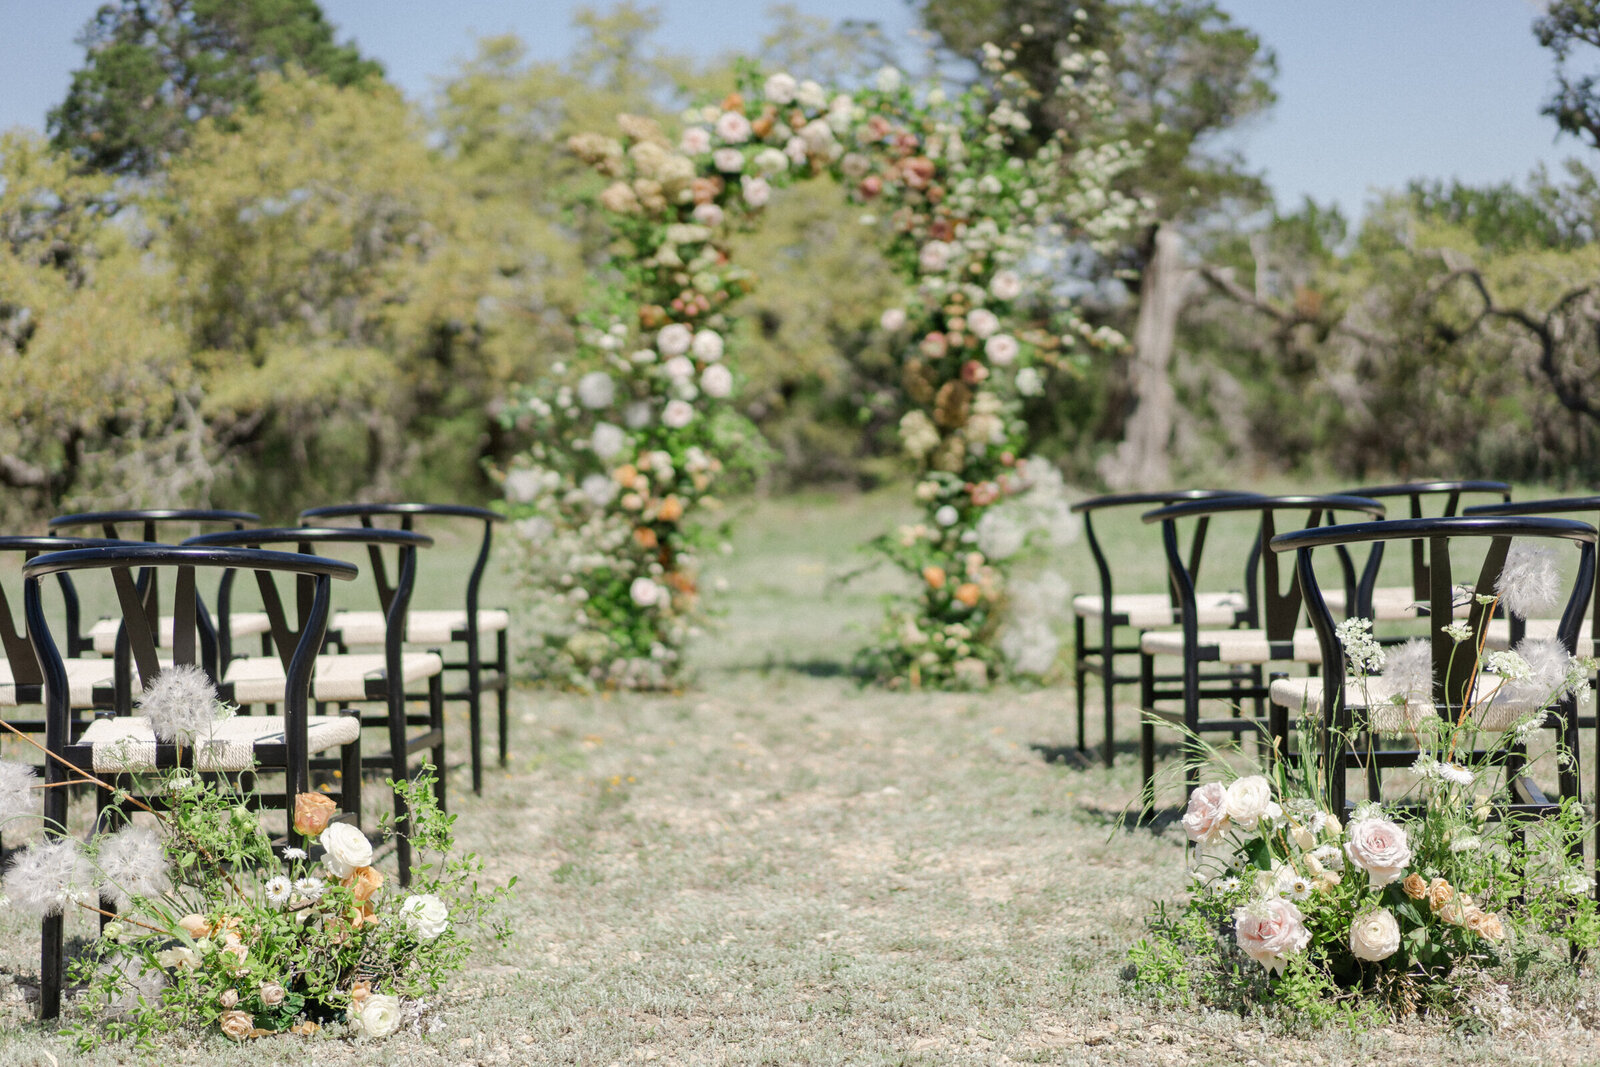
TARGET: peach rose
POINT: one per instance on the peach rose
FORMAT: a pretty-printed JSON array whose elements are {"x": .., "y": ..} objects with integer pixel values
[
  {"x": 1439, "y": 893},
  {"x": 236, "y": 1024},
  {"x": 671, "y": 509},
  {"x": 312, "y": 812},
  {"x": 934, "y": 576},
  {"x": 968, "y": 594},
  {"x": 195, "y": 926},
  {"x": 1414, "y": 886},
  {"x": 272, "y": 994}
]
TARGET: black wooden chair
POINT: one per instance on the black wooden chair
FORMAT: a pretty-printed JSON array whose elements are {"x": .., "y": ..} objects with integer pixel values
[
  {"x": 344, "y": 678},
  {"x": 1272, "y": 636},
  {"x": 1348, "y": 712},
  {"x": 1112, "y": 611},
  {"x": 170, "y": 526},
  {"x": 466, "y": 628},
  {"x": 117, "y": 748}
]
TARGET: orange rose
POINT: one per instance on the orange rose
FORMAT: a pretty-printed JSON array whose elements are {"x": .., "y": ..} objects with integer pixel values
[
  {"x": 671, "y": 509},
  {"x": 934, "y": 576},
  {"x": 1414, "y": 886},
  {"x": 359, "y": 993},
  {"x": 733, "y": 102},
  {"x": 625, "y": 474},
  {"x": 195, "y": 926},
  {"x": 645, "y": 536},
  {"x": 364, "y": 882},
  {"x": 312, "y": 812},
  {"x": 968, "y": 593}
]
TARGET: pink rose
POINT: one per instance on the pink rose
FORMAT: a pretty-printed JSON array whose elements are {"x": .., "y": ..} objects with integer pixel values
[
  {"x": 1378, "y": 847},
  {"x": 1205, "y": 819},
  {"x": 1270, "y": 930}
]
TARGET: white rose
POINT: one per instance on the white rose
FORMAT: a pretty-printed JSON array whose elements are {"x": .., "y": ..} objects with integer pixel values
[
  {"x": 780, "y": 88},
  {"x": 756, "y": 191},
  {"x": 733, "y": 127},
  {"x": 596, "y": 390},
  {"x": 696, "y": 141},
  {"x": 811, "y": 96},
  {"x": 708, "y": 214},
  {"x": 934, "y": 257},
  {"x": 1001, "y": 349},
  {"x": 728, "y": 160},
  {"x": 1006, "y": 285},
  {"x": 674, "y": 340},
  {"x": 888, "y": 79},
  {"x": 606, "y": 440},
  {"x": 345, "y": 848},
  {"x": 795, "y": 149},
  {"x": 770, "y": 161},
  {"x": 379, "y": 1015},
  {"x": 425, "y": 916},
  {"x": 1380, "y": 848},
  {"x": 1375, "y": 936},
  {"x": 707, "y": 346},
  {"x": 677, "y": 414},
  {"x": 818, "y": 137},
  {"x": 1247, "y": 800},
  {"x": 1205, "y": 819},
  {"x": 983, "y": 323},
  {"x": 893, "y": 319},
  {"x": 717, "y": 381},
  {"x": 644, "y": 592}
]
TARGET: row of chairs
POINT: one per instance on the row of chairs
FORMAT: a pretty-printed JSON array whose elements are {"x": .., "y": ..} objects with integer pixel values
[
  {"x": 87, "y": 679},
  {"x": 1267, "y": 649}
]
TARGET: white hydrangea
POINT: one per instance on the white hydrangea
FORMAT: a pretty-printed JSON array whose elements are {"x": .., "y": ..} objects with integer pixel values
[{"x": 599, "y": 489}]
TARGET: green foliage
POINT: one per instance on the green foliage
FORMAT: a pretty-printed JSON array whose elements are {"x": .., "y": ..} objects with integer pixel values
[
  {"x": 1566, "y": 26},
  {"x": 155, "y": 67}
]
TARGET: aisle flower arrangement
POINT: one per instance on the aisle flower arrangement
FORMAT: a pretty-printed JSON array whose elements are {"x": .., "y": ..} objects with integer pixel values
[
  {"x": 210, "y": 926},
  {"x": 1395, "y": 906},
  {"x": 638, "y": 432}
]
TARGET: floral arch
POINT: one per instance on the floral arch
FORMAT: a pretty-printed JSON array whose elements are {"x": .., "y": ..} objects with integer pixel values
[{"x": 635, "y": 434}]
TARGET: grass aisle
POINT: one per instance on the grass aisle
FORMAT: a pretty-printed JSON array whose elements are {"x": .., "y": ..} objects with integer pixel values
[{"x": 777, "y": 867}]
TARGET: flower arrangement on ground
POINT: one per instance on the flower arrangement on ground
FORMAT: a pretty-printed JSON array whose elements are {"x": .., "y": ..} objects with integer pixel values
[
  {"x": 637, "y": 431},
  {"x": 1394, "y": 906},
  {"x": 211, "y": 925}
]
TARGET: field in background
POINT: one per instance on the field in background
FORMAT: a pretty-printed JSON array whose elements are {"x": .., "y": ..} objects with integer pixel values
[{"x": 776, "y": 866}]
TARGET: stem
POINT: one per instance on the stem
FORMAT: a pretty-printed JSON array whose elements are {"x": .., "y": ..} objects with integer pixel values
[
  {"x": 121, "y": 918},
  {"x": 75, "y": 769}
]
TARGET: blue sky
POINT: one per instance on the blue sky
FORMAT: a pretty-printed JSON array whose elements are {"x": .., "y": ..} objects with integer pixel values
[{"x": 1371, "y": 93}]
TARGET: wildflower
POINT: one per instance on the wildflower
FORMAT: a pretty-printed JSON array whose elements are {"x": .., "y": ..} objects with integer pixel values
[
  {"x": 134, "y": 865},
  {"x": 292, "y": 854},
  {"x": 1456, "y": 631},
  {"x": 16, "y": 791},
  {"x": 1454, "y": 773},
  {"x": 1528, "y": 584},
  {"x": 309, "y": 887},
  {"x": 1363, "y": 653},
  {"x": 278, "y": 890},
  {"x": 181, "y": 704},
  {"x": 48, "y": 875},
  {"x": 1230, "y": 884}
]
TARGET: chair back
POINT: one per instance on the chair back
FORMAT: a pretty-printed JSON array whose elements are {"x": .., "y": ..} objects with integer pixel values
[
  {"x": 393, "y": 599},
  {"x": 1197, "y": 539},
  {"x": 1570, "y": 505},
  {"x": 25, "y": 673},
  {"x": 1418, "y": 496},
  {"x": 1272, "y": 606},
  {"x": 1454, "y": 674}
]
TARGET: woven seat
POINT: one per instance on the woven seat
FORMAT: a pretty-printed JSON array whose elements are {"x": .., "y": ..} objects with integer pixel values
[
  {"x": 1499, "y": 632},
  {"x": 103, "y": 634},
  {"x": 1381, "y": 713},
  {"x": 125, "y": 744},
  {"x": 422, "y": 627},
  {"x": 1390, "y": 603},
  {"x": 259, "y": 679},
  {"x": 84, "y": 676},
  {"x": 1145, "y": 611},
  {"x": 1235, "y": 646}
]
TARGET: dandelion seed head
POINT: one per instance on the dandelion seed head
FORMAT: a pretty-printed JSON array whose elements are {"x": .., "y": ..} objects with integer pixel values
[
  {"x": 1528, "y": 584},
  {"x": 18, "y": 798},
  {"x": 181, "y": 704},
  {"x": 48, "y": 875},
  {"x": 132, "y": 864}
]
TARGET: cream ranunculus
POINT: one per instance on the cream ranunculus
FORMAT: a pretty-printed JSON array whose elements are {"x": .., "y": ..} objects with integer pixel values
[
  {"x": 1375, "y": 936},
  {"x": 1247, "y": 800},
  {"x": 1378, "y": 847},
  {"x": 425, "y": 916},
  {"x": 378, "y": 1016},
  {"x": 345, "y": 848},
  {"x": 1206, "y": 819},
  {"x": 1271, "y": 930}
]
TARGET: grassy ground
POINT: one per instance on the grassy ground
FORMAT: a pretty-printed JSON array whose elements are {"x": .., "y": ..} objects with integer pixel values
[{"x": 777, "y": 867}]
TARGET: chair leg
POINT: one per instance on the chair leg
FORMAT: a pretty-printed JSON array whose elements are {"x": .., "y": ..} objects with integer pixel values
[
  {"x": 503, "y": 692},
  {"x": 400, "y": 771},
  {"x": 1108, "y": 687},
  {"x": 475, "y": 721},
  {"x": 1078, "y": 673},
  {"x": 350, "y": 775},
  {"x": 436, "y": 722},
  {"x": 1147, "y": 736}
]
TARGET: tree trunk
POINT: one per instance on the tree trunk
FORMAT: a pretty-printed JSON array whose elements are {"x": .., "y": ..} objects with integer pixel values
[{"x": 1143, "y": 459}]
